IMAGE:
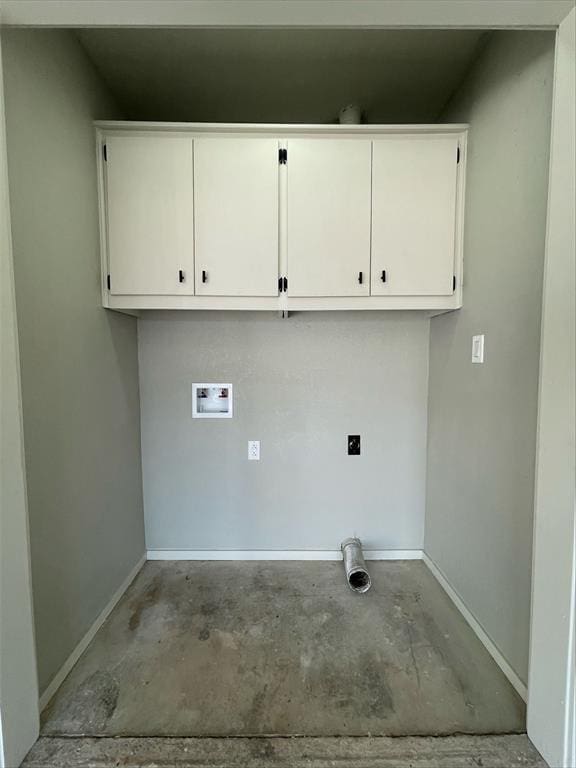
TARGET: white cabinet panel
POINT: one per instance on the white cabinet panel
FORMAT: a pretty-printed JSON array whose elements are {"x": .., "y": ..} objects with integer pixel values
[
  {"x": 328, "y": 228},
  {"x": 236, "y": 216},
  {"x": 150, "y": 227},
  {"x": 413, "y": 215}
]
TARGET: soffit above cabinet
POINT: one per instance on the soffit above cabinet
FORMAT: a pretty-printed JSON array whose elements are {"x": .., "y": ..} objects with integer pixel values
[
  {"x": 236, "y": 75},
  {"x": 282, "y": 218}
]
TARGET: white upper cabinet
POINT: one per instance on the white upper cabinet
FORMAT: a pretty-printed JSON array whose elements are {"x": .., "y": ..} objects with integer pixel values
[
  {"x": 149, "y": 215},
  {"x": 414, "y": 192},
  {"x": 281, "y": 218},
  {"x": 328, "y": 217},
  {"x": 236, "y": 216}
]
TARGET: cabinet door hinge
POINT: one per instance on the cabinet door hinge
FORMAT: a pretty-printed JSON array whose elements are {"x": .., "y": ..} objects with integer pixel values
[
  {"x": 458, "y": 155},
  {"x": 282, "y": 156},
  {"x": 453, "y": 282},
  {"x": 108, "y": 281},
  {"x": 105, "y": 153}
]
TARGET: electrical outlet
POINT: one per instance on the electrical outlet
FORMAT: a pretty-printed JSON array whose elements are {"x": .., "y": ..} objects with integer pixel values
[
  {"x": 353, "y": 445},
  {"x": 254, "y": 450}
]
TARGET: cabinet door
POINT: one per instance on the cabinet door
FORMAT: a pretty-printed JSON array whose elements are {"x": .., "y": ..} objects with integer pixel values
[
  {"x": 236, "y": 216},
  {"x": 413, "y": 215},
  {"x": 328, "y": 217},
  {"x": 150, "y": 215}
]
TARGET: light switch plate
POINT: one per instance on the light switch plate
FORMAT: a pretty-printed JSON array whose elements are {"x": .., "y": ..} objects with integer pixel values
[
  {"x": 254, "y": 450},
  {"x": 478, "y": 348}
]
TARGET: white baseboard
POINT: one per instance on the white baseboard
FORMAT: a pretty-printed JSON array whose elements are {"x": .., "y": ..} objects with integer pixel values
[
  {"x": 484, "y": 638},
  {"x": 278, "y": 554},
  {"x": 62, "y": 673}
]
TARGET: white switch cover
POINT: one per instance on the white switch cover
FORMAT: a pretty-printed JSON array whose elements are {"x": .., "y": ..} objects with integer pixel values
[
  {"x": 478, "y": 348},
  {"x": 254, "y": 450}
]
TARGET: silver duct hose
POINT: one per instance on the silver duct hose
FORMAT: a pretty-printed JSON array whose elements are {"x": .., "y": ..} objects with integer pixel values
[{"x": 356, "y": 574}]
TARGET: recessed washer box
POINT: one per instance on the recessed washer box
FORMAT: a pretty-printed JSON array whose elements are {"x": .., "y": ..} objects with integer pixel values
[{"x": 212, "y": 401}]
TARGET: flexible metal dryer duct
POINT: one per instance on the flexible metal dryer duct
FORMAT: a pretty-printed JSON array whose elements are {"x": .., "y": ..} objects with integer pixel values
[{"x": 356, "y": 573}]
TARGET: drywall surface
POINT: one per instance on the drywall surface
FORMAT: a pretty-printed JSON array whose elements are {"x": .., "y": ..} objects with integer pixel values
[
  {"x": 482, "y": 418},
  {"x": 19, "y": 722},
  {"x": 301, "y": 386},
  {"x": 79, "y": 362}
]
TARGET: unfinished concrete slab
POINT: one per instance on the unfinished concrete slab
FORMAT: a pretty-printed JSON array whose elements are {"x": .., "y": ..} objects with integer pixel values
[
  {"x": 320, "y": 752},
  {"x": 284, "y": 648}
]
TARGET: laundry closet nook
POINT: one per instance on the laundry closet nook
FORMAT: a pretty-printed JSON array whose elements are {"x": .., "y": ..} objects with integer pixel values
[{"x": 278, "y": 293}]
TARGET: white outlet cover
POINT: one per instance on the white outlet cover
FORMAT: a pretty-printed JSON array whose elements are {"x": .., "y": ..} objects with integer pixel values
[
  {"x": 478, "y": 348},
  {"x": 254, "y": 450}
]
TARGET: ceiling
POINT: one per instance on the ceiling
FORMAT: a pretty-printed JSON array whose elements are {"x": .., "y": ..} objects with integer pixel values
[{"x": 280, "y": 75}]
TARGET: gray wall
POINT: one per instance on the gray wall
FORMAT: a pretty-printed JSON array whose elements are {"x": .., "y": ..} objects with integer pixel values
[
  {"x": 482, "y": 418},
  {"x": 300, "y": 386},
  {"x": 79, "y": 362},
  {"x": 19, "y": 721}
]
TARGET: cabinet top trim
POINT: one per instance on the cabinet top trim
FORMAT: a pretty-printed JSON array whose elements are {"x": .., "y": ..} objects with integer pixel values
[{"x": 278, "y": 129}]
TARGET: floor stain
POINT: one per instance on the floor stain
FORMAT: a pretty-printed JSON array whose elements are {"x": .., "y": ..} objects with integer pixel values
[
  {"x": 410, "y": 631},
  {"x": 208, "y": 609},
  {"x": 255, "y": 715},
  {"x": 375, "y": 691},
  {"x": 449, "y": 657},
  {"x": 92, "y": 704},
  {"x": 149, "y": 598}
]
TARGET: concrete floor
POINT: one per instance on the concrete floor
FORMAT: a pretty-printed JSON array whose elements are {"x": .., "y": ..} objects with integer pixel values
[
  {"x": 259, "y": 649},
  {"x": 321, "y": 752}
]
